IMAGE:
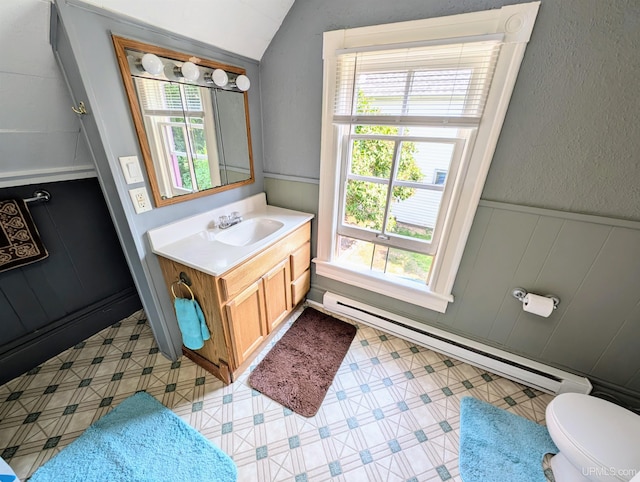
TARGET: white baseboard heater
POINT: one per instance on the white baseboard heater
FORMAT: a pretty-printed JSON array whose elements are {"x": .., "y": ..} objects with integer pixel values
[{"x": 537, "y": 375}]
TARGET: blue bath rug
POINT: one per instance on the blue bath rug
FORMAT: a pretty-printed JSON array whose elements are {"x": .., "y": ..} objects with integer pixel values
[
  {"x": 142, "y": 441},
  {"x": 496, "y": 445}
]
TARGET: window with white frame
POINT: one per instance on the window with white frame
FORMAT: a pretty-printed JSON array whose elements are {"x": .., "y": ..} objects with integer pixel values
[{"x": 411, "y": 116}]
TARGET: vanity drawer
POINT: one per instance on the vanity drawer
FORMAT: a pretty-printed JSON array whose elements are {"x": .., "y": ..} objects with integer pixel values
[
  {"x": 239, "y": 278},
  {"x": 300, "y": 287},
  {"x": 300, "y": 260}
]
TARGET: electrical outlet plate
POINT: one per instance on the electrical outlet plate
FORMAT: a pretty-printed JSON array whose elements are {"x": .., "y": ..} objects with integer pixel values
[
  {"x": 131, "y": 169},
  {"x": 140, "y": 199}
]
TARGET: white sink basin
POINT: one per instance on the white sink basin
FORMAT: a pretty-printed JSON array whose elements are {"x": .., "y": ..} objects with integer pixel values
[
  {"x": 194, "y": 242},
  {"x": 248, "y": 232}
]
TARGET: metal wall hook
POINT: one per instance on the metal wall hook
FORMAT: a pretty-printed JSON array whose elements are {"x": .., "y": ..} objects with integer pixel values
[
  {"x": 81, "y": 110},
  {"x": 520, "y": 293}
]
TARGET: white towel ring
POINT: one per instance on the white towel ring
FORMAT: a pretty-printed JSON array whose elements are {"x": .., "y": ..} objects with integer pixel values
[{"x": 181, "y": 283}]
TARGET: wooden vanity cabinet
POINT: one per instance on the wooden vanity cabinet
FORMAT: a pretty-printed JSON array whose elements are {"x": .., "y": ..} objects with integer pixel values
[{"x": 245, "y": 305}]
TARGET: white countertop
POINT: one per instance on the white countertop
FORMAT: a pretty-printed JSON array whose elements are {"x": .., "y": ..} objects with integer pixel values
[{"x": 192, "y": 241}]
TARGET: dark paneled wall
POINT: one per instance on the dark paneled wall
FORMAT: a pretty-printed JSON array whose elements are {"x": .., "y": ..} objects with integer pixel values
[{"x": 82, "y": 287}]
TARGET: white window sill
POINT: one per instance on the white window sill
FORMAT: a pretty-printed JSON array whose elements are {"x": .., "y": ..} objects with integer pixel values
[{"x": 399, "y": 289}]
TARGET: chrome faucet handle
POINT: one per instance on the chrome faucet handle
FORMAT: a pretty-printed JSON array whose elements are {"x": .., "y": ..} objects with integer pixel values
[
  {"x": 223, "y": 220},
  {"x": 236, "y": 215}
]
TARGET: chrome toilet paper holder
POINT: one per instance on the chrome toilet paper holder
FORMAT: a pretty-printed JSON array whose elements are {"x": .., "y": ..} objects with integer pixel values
[{"x": 520, "y": 293}]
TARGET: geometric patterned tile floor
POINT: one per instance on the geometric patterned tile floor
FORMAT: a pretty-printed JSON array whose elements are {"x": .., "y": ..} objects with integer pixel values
[{"x": 391, "y": 414}]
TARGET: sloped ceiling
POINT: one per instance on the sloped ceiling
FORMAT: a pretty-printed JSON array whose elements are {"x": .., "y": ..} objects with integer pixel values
[{"x": 244, "y": 27}]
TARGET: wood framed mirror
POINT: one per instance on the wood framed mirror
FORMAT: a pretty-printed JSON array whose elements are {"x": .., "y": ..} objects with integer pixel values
[{"x": 191, "y": 116}]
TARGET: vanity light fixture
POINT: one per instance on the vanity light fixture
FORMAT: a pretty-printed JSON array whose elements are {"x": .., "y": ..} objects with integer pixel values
[
  {"x": 219, "y": 77},
  {"x": 152, "y": 64},
  {"x": 190, "y": 71},
  {"x": 243, "y": 83}
]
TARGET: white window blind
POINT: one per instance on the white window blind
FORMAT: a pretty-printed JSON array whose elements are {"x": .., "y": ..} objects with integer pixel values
[
  {"x": 429, "y": 84},
  {"x": 166, "y": 98}
]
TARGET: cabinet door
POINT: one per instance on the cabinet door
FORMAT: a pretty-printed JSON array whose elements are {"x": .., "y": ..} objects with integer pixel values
[
  {"x": 277, "y": 291},
  {"x": 246, "y": 317}
]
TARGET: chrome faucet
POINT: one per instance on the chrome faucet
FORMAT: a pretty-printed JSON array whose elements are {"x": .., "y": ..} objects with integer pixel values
[{"x": 232, "y": 219}]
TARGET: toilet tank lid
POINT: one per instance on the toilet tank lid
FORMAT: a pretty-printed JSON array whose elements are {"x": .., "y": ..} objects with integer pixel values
[{"x": 605, "y": 432}]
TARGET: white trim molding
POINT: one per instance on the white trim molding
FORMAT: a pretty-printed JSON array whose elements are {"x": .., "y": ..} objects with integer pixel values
[
  {"x": 514, "y": 23},
  {"x": 283, "y": 177},
  {"x": 56, "y": 174},
  {"x": 405, "y": 291}
]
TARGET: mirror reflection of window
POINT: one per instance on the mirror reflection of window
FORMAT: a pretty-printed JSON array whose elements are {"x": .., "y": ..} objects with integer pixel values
[{"x": 179, "y": 121}]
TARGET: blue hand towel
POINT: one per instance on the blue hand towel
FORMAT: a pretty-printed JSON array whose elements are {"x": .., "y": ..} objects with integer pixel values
[{"x": 191, "y": 322}]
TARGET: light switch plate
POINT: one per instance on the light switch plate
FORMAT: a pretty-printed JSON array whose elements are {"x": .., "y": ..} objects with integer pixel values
[
  {"x": 131, "y": 169},
  {"x": 140, "y": 199}
]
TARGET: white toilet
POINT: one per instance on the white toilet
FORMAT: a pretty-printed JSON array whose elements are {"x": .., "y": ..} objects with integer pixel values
[{"x": 598, "y": 440}]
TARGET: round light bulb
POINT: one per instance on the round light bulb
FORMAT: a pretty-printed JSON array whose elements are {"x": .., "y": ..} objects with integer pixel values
[
  {"x": 190, "y": 71},
  {"x": 152, "y": 64},
  {"x": 243, "y": 83},
  {"x": 219, "y": 77}
]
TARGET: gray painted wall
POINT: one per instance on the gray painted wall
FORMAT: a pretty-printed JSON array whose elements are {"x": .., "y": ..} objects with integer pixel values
[
  {"x": 570, "y": 139},
  {"x": 87, "y": 55},
  {"x": 570, "y": 143},
  {"x": 40, "y": 138}
]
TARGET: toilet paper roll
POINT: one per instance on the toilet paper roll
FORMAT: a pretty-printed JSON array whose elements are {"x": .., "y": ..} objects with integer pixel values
[{"x": 538, "y": 305}]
